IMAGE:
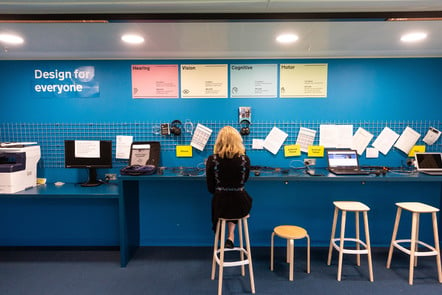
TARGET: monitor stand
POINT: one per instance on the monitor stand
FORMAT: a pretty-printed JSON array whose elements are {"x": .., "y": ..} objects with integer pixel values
[{"x": 92, "y": 181}]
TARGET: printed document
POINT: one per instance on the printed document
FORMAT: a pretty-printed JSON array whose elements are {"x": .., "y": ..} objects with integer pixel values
[
  {"x": 305, "y": 138},
  {"x": 274, "y": 140},
  {"x": 385, "y": 140},
  {"x": 407, "y": 140},
  {"x": 361, "y": 139}
]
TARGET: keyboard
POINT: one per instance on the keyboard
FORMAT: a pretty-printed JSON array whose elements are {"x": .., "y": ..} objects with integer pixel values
[
  {"x": 349, "y": 171},
  {"x": 432, "y": 172}
]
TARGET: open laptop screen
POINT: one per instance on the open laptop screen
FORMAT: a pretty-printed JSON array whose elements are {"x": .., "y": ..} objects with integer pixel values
[
  {"x": 428, "y": 161},
  {"x": 342, "y": 158}
]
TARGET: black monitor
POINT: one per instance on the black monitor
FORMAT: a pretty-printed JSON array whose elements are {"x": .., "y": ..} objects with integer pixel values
[{"x": 91, "y": 154}]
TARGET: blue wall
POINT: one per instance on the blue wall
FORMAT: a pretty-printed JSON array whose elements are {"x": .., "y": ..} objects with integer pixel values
[{"x": 359, "y": 90}]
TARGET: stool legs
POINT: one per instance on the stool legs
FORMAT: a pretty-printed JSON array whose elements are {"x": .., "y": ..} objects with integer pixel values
[
  {"x": 219, "y": 238},
  {"x": 412, "y": 247},
  {"x": 341, "y": 249},
  {"x": 249, "y": 256},
  {"x": 290, "y": 253},
  {"x": 367, "y": 241},
  {"x": 414, "y": 242},
  {"x": 436, "y": 245},
  {"x": 341, "y": 244},
  {"x": 393, "y": 237},
  {"x": 333, "y": 232}
]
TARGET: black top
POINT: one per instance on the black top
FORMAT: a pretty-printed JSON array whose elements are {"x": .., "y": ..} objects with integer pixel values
[{"x": 225, "y": 180}]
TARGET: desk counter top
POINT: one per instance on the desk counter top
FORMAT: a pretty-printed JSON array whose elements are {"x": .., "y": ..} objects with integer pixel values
[
  {"x": 297, "y": 175},
  {"x": 67, "y": 190}
]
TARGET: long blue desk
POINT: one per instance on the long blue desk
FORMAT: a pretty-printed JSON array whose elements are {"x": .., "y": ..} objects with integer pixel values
[
  {"x": 75, "y": 191},
  {"x": 129, "y": 190}
]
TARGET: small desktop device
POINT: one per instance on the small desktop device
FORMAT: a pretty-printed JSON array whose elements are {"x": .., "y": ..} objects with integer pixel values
[{"x": 89, "y": 154}]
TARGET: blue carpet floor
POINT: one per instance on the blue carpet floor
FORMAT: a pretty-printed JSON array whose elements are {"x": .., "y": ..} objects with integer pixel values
[{"x": 186, "y": 270}]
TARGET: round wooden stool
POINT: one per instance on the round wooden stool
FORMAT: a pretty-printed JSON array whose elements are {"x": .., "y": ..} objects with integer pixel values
[
  {"x": 290, "y": 233},
  {"x": 416, "y": 208},
  {"x": 245, "y": 254},
  {"x": 356, "y": 207}
]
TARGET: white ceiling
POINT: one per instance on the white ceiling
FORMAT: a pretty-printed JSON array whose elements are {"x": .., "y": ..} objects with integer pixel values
[{"x": 176, "y": 30}]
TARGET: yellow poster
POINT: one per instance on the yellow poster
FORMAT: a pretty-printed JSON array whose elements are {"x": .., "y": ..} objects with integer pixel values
[
  {"x": 204, "y": 81},
  {"x": 303, "y": 80}
]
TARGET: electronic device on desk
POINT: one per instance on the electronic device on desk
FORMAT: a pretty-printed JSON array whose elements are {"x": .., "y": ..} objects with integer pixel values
[
  {"x": 344, "y": 162},
  {"x": 18, "y": 167},
  {"x": 429, "y": 163},
  {"x": 89, "y": 154},
  {"x": 144, "y": 158}
]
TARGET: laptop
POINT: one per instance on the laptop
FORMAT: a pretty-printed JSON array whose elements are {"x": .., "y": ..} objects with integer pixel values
[
  {"x": 428, "y": 163},
  {"x": 344, "y": 162}
]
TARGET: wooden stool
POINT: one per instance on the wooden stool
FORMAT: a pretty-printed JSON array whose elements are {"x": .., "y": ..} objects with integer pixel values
[
  {"x": 290, "y": 233},
  {"x": 416, "y": 208},
  {"x": 218, "y": 253},
  {"x": 355, "y": 207}
]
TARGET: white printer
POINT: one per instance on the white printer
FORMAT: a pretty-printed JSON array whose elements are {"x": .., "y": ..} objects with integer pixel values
[{"x": 18, "y": 167}]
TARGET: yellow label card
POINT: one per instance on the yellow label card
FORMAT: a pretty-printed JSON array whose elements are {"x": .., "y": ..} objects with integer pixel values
[
  {"x": 416, "y": 149},
  {"x": 315, "y": 151},
  {"x": 183, "y": 151},
  {"x": 292, "y": 150}
]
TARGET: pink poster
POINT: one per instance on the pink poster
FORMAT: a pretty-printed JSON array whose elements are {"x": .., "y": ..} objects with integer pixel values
[{"x": 154, "y": 81}]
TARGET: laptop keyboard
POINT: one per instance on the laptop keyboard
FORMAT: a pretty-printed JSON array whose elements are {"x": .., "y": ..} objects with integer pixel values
[{"x": 432, "y": 172}]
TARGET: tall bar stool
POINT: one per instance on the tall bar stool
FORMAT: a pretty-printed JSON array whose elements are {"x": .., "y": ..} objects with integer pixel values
[
  {"x": 355, "y": 207},
  {"x": 416, "y": 208},
  {"x": 245, "y": 253},
  {"x": 290, "y": 233}
]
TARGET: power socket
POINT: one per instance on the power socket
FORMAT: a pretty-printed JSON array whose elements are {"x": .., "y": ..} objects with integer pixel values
[
  {"x": 309, "y": 162},
  {"x": 110, "y": 176}
]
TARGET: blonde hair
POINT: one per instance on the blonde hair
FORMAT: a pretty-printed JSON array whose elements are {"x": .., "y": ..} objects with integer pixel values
[{"x": 229, "y": 144}]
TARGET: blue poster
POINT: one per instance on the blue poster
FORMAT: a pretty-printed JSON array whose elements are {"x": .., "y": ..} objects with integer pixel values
[
  {"x": 253, "y": 80},
  {"x": 56, "y": 82}
]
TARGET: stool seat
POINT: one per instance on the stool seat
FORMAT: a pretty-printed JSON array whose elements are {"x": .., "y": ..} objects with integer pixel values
[
  {"x": 416, "y": 208},
  {"x": 290, "y": 233},
  {"x": 337, "y": 243},
  {"x": 351, "y": 206}
]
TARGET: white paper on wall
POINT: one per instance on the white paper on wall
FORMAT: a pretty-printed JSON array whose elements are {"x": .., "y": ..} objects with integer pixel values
[
  {"x": 306, "y": 137},
  {"x": 274, "y": 140},
  {"x": 432, "y": 136},
  {"x": 384, "y": 142},
  {"x": 123, "y": 146},
  {"x": 361, "y": 139},
  {"x": 336, "y": 136},
  {"x": 407, "y": 140}
]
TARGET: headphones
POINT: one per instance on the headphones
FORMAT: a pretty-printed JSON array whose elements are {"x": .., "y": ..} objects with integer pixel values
[
  {"x": 136, "y": 170},
  {"x": 175, "y": 127},
  {"x": 245, "y": 130}
]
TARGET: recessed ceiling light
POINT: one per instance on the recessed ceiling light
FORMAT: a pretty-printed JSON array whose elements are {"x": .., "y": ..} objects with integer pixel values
[
  {"x": 413, "y": 37},
  {"x": 287, "y": 38},
  {"x": 132, "y": 39},
  {"x": 11, "y": 39}
]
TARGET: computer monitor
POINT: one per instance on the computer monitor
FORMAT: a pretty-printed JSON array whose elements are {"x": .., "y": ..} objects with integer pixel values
[{"x": 90, "y": 154}]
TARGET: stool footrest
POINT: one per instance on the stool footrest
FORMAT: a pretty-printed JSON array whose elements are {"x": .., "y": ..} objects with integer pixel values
[
  {"x": 233, "y": 263},
  {"x": 397, "y": 245},
  {"x": 351, "y": 251}
]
